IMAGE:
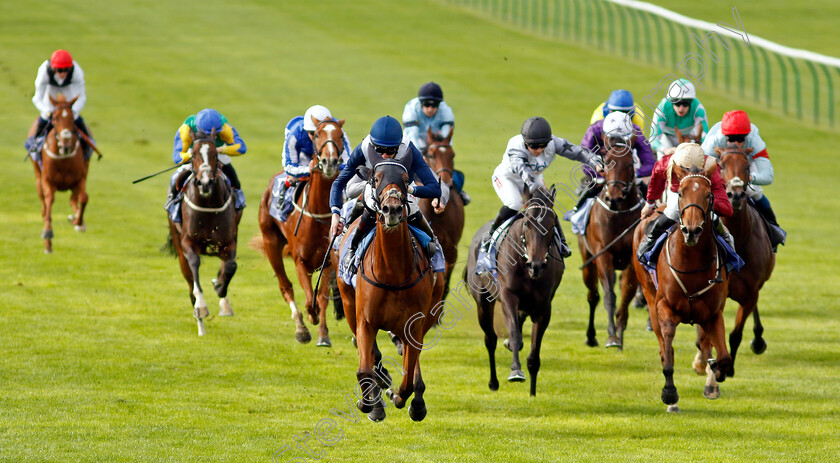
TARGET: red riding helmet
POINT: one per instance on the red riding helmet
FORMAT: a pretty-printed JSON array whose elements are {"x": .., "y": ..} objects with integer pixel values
[
  {"x": 61, "y": 59},
  {"x": 735, "y": 123}
]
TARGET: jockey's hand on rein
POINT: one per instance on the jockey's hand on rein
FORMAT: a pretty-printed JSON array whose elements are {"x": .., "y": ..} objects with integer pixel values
[{"x": 185, "y": 157}]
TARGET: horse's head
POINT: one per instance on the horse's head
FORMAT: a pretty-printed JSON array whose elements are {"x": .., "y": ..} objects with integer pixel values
[
  {"x": 389, "y": 181},
  {"x": 735, "y": 168},
  {"x": 329, "y": 144},
  {"x": 695, "y": 200},
  {"x": 440, "y": 156},
  {"x": 205, "y": 163},
  {"x": 621, "y": 175},
  {"x": 537, "y": 229},
  {"x": 690, "y": 137},
  {"x": 64, "y": 125}
]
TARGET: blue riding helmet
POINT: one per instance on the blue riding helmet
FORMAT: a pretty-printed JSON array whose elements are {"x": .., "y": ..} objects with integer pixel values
[
  {"x": 620, "y": 100},
  {"x": 386, "y": 131},
  {"x": 430, "y": 91},
  {"x": 208, "y": 120}
]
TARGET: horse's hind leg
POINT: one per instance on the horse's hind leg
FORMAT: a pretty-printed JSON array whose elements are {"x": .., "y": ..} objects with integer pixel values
[
  {"x": 717, "y": 333},
  {"x": 758, "y": 344},
  {"x": 274, "y": 243},
  {"x": 46, "y": 211},
  {"x": 222, "y": 282},
  {"x": 485, "y": 319},
  {"x": 322, "y": 298},
  {"x": 537, "y": 331},
  {"x": 417, "y": 409},
  {"x": 590, "y": 280},
  {"x": 200, "y": 305},
  {"x": 371, "y": 401},
  {"x": 78, "y": 201},
  {"x": 704, "y": 351},
  {"x": 606, "y": 275},
  {"x": 629, "y": 285},
  {"x": 665, "y": 332}
]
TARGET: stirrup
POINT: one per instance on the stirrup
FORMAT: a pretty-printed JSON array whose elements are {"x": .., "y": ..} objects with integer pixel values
[{"x": 465, "y": 198}]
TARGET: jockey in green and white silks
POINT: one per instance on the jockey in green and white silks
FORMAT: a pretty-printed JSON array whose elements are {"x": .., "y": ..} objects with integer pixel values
[{"x": 679, "y": 108}]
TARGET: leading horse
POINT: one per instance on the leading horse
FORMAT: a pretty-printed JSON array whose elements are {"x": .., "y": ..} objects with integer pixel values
[
  {"x": 396, "y": 291},
  {"x": 62, "y": 167},
  {"x": 449, "y": 224},
  {"x": 305, "y": 234},
  {"x": 529, "y": 273},
  {"x": 208, "y": 227},
  {"x": 607, "y": 244},
  {"x": 691, "y": 283}
]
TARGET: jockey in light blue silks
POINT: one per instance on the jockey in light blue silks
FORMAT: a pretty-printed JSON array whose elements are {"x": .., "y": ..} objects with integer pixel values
[
  {"x": 680, "y": 109},
  {"x": 429, "y": 111}
]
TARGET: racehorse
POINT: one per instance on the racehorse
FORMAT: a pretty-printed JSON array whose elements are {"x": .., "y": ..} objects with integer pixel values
[
  {"x": 396, "y": 290},
  {"x": 63, "y": 167},
  {"x": 753, "y": 245},
  {"x": 607, "y": 244},
  {"x": 208, "y": 227},
  {"x": 529, "y": 272},
  {"x": 691, "y": 283},
  {"x": 690, "y": 137},
  {"x": 448, "y": 225},
  {"x": 305, "y": 234}
]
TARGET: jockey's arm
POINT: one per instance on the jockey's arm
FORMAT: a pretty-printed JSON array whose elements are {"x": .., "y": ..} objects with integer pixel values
[
  {"x": 77, "y": 87},
  {"x": 291, "y": 159},
  {"x": 761, "y": 171},
  {"x": 430, "y": 188},
  {"x": 41, "y": 82},
  {"x": 183, "y": 141},
  {"x": 234, "y": 146}
]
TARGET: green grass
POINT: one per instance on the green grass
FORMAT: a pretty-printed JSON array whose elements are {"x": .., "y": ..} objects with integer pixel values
[{"x": 100, "y": 358}]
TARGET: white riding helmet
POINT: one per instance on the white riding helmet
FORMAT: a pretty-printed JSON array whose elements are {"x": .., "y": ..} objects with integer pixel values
[
  {"x": 318, "y": 112},
  {"x": 618, "y": 124},
  {"x": 681, "y": 89},
  {"x": 688, "y": 155}
]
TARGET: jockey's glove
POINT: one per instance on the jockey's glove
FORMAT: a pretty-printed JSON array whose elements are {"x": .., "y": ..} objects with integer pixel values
[{"x": 185, "y": 157}]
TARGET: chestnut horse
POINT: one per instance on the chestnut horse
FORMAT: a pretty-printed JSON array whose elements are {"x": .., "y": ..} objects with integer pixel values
[
  {"x": 449, "y": 224},
  {"x": 396, "y": 291},
  {"x": 529, "y": 275},
  {"x": 692, "y": 283},
  {"x": 690, "y": 137},
  {"x": 753, "y": 245},
  {"x": 607, "y": 244},
  {"x": 305, "y": 234},
  {"x": 63, "y": 167},
  {"x": 208, "y": 227}
]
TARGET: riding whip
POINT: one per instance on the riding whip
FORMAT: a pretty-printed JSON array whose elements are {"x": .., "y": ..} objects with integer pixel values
[
  {"x": 157, "y": 173},
  {"x": 321, "y": 272}
]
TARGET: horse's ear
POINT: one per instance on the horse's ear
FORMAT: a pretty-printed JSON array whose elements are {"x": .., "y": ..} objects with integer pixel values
[
  {"x": 449, "y": 137},
  {"x": 718, "y": 150},
  {"x": 53, "y": 100},
  {"x": 405, "y": 178},
  {"x": 315, "y": 121},
  {"x": 748, "y": 151},
  {"x": 710, "y": 169},
  {"x": 678, "y": 133},
  {"x": 679, "y": 172},
  {"x": 341, "y": 123},
  {"x": 526, "y": 192},
  {"x": 72, "y": 101},
  {"x": 363, "y": 172},
  {"x": 430, "y": 136},
  {"x": 553, "y": 192}
]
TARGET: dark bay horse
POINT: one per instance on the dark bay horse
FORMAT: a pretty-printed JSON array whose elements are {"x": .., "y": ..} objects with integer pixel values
[
  {"x": 305, "y": 234},
  {"x": 63, "y": 167},
  {"x": 753, "y": 245},
  {"x": 448, "y": 225},
  {"x": 529, "y": 272},
  {"x": 396, "y": 291},
  {"x": 208, "y": 227},
  {"x": 609, "y": 236},
  {"x": 692, "y": 283}
]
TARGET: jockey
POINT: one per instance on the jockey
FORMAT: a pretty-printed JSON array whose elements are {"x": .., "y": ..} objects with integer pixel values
[
  {"x": 426, "y": 111},
  {"x": 299, "y": 149},
  {"x": 228, "y": 143},
  {"x": 619, "y": 100},
  {"x": 386, "y": 142},
  {"x": 736, "y": 130},
  {"x": 686, "y": 155},
  {"x": 618, "y": 125},
  {"x": 527, "y": 155},
  {"x": 59, "y": 74},
  {"x": 679, "y": 109}
]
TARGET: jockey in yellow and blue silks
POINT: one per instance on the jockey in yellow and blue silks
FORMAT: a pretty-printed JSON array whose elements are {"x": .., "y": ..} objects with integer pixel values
[
  {"x": 228, "y": 143},
  {"x": 619, "y": 100},
  {"x": 680, "y": 109}
]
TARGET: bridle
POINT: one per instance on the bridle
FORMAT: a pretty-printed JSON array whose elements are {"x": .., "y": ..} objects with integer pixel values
[
  {"x": 64, "y": 137},
  {"x": 318, "y": 149},
  {"x": 706, "y": 210},
  {"x": 401, "y": 194},
  {"x": 428, "y": 156},
  {"x": 523, "y": 242}
]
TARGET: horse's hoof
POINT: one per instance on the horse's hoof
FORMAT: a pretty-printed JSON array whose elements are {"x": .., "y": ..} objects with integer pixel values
[
  {"x": 613, "y": 341},
  {"x": 669, "y": 395},
  {"x": 391, "y": 395},
  {"x": 47, "y": 235},
  {"x": 313, "y": 319},
  {"x": 417, "y": 413},
  {"x": 516, "y": 376},
  {"x": 673, "y": 409},
  {"x": 80, "y": 228},
  {"x": 353, "y": 340},
  {"x": 493, "y": 385},
  {"x": 591, "y": 342},
  {"x": 363, "y": 407},
  {"x": 378, "y": 414},
  {"x": 303, "y": 337},
  {"x": 711, "y": 392},
  {"x": 48, "y": 251},
  {"x": 224, "y": 308},
  {"x": 71, "y": 218},
  {"x": 649, "y": 327},
  {"x": 324, "y": 342},
  {"x": 758, "y": 345}
]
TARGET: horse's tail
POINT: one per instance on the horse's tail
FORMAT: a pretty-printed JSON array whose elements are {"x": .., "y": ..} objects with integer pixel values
[
  {"x": 256, "y": 243},
  {"x": 168, "y": 246}
]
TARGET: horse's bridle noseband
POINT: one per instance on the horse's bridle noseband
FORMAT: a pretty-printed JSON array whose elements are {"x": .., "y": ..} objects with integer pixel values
[{"x": 706, "y": 211}]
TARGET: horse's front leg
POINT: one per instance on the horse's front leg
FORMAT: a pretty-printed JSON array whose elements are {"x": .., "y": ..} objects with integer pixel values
[
  {"x": 758, "y": 344},
  {"x": 537, "y": 331},
  {"x": 226, "y": 272},
  {"x": 48, "y": 191},
  {"x": 717, "y": 334},
  {"x": 629, "y": 285},
  {"x": 701, "y": 364},
  {"x": 744, "y": 311},
  {"x": 371, "y": 400},
  {"x": 590, "y": 280},
  {"x": 305, "y": 281},
  {"x": 510, "y": 304},
  {"x": 417, "y": 409},
  {"x": 78, "y": 201},
  {"x": 200, "y": 306},
  {"x": 606, "y": 275},
  {"x": 322, "y": 298},
  {"x": 666, "y": 332}
]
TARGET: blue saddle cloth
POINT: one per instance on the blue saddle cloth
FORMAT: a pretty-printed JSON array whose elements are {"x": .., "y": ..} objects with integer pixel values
[
  {"x": 731, "y": 259},
  {"x": 280, "y": 210}
]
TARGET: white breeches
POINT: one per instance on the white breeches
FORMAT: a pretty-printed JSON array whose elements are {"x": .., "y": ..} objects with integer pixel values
[
  {"x": 672, "y": 209},
  {"x": 510, "y": 186}
]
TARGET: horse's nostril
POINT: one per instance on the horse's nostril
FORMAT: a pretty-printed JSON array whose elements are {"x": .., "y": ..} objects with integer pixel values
[
  {"x": 386, "y": 209},
  {"x": 730, "y": 194}
]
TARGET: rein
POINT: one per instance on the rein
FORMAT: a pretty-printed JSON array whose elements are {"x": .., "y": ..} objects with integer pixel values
[
  {"x": 405, "y": 284},
  {"x": 604, "y": 249},
  {"x": 303, "y": 211},
  {"x": 212, "y": 210},
  {"x": 712, "y": 283}
]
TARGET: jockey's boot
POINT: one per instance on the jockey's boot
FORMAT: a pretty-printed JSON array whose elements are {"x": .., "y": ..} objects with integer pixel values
[
  {"x": 660, "y": 226},
  {"x": 37, "y": 129},
  {"x": 366, "y": 221},
  {"x": 238, "y": 194},
  {"x": 417, "y": 220},
  {"x": 465, "y": 198},
  {"x": 562, "y": 246},
  {"x": 504, "y": 214},
  {"x": 177, "y": 184},
  {"x": 763, "y": 207},
  {"x": 721, "y": 229},
  {"x": 281, "y": 194}
]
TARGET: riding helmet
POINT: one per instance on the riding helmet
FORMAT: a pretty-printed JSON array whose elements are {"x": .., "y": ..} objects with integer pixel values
[
  {"x": 681, "y": 89},
  {"x": 430, "y": 91},
  {"x": 735, "y": 123},
  {"x": 620, "y": 100},
  {"x": 618, "y": 124},
  {"x": 208, "y": 120},
  {"x": 318, "y": 112},
  {"x": 536, "y": 130},
  {"x": 61, "y": 59},
  {"x": 386, "y": 131}
]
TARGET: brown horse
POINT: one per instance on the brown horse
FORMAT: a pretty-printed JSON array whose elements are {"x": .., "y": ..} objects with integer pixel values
[
  {"x": 63, "y": 167},
  {"x": 208, "y": 227},
  {"x": 609, "y": 236},
  {"x": 305, "y": 234},
  {"x": 529, "y": 273},
  {"x": 692, "y": 284},
  {"x": 396, "y": 291},
  {"x": 753, "y": 245},
  {"x": 448, "y": 225},
  {"x": 696, "y": 137}
]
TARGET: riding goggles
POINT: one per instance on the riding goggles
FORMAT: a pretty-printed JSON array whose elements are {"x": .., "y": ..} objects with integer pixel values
[
  {"x": 387, "y": 150},
  {"x": 739, "y": 138},
  {"x": 430, "y": 103},
  {"x": 536, "y": 146},
  {"x": 683, "y": 102}
]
